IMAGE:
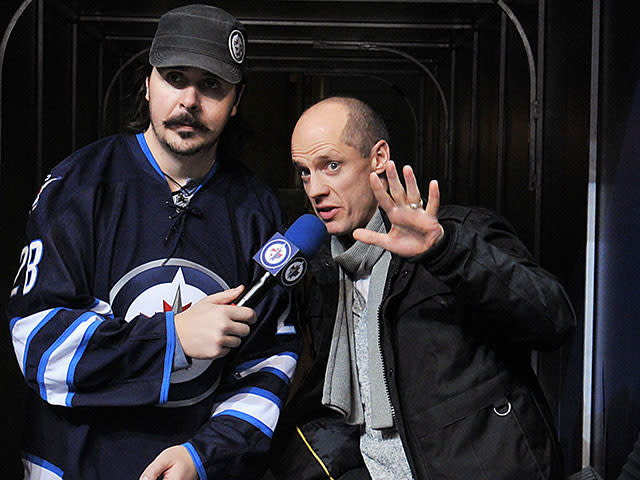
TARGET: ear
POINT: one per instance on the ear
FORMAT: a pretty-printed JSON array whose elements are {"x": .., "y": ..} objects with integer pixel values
[
  {"x": 380, "y": 155},
  {"x": 146, "y": 86},
  {"x": 236, "y": 103}
]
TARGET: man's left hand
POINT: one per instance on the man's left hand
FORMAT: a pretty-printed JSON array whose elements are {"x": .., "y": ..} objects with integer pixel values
[{"x": 414, "y": 229}]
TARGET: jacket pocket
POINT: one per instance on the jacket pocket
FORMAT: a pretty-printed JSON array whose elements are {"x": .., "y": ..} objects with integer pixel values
[
  {"x": 489, "y": 443},
  {"x": 320, "y": 449}
]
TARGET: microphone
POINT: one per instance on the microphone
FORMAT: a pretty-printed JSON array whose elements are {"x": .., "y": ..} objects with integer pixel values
[{"x": 284, "y": 257}]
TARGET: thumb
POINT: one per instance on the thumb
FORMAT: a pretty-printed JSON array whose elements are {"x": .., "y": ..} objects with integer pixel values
[{"x": 226, "y": 296}]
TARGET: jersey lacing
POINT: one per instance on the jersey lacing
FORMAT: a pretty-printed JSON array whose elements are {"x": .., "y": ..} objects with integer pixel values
[{"x": 179, "y": 217}]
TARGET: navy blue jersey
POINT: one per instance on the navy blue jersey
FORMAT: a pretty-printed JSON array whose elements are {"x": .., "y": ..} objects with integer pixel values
[{"x": 110, "y": 259}]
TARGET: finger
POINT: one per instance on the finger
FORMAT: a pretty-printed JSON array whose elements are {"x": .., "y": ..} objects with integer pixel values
[
  {"x": 433, "y": 204},
  {"x": 379, "y": 191},
  {"x": 413, "y": 192},
  {"x": 372, "y": 238},
  {"x": 156, "y": 468},
  {"x": 230, "y": 341},
  {"x": 395, "y": 187},
  {"x": 237, "y": 329},
  {"x": 243, "y": 314},
  {"x": 226, "y": 296}
]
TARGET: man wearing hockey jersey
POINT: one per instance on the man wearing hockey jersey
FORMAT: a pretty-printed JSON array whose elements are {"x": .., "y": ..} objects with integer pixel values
[{"x": 121, "y": 313}]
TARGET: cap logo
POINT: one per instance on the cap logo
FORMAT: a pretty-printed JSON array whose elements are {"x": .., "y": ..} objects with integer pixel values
[{"x": 236, "y": 46}]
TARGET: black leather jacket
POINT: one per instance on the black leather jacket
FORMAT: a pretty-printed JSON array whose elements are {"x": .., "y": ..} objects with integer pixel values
[{"x": 458, "y": 323}]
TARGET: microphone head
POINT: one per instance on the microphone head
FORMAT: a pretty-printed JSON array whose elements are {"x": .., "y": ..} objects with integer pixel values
[{"x": 308, "y": 233}]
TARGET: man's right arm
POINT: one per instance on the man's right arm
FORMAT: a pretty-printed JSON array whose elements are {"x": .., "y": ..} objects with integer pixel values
[{"x": 69, "y": 346}]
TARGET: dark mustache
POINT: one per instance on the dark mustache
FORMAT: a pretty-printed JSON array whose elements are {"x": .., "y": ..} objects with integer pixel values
[{"x": 185, "y": 119}]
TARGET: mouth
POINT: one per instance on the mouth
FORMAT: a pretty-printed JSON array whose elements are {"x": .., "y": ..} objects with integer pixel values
[
  {"x": 327, "y": 213},
  {"x": 185, "y": 124}
]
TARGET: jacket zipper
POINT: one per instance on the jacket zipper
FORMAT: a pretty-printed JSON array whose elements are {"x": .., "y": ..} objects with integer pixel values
[
  {"x": 405, "y": 442},
  {"x": 385, "y": 380},
  {"x": 385, "y": 296}
]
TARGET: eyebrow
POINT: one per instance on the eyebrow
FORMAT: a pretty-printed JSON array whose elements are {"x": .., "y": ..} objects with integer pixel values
[{"x": 297, "y": 165}]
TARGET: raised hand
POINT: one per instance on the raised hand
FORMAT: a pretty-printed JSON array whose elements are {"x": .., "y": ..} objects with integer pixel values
[
  {"x": 212, "y": 327},
  {"x": 414, "y": 229}
]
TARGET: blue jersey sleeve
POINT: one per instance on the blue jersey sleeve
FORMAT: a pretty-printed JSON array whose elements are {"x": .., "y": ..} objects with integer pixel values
[{"x": 69, "y": 346}]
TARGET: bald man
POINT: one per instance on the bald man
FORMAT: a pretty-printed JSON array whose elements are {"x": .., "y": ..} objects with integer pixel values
[{"x": 421, "y": 319}]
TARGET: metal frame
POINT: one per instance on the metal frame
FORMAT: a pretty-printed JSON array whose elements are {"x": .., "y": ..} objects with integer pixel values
[
  {"x": 112, "y": 82},
  {"x": 502, "y": 80},
  {"x": 590, "y": 261},
  {"x": 536, "y": 74},
  {"x": 3, "y": 49},
  {"x": 400, "y": 55},
  {"x": 296, "y": 23}
]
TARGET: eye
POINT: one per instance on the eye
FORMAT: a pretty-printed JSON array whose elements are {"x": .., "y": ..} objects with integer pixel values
[
  {"x": 210, "y": 83},
  {"x": 333, "y": 166},
  {"x": 302, "y": 171},
  {"x": 175, "y": 78}
]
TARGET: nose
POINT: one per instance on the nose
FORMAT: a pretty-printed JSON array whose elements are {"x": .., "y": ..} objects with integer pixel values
[
  {"x": 316, "y": 188},
  {"x": 190, "y": 97}
]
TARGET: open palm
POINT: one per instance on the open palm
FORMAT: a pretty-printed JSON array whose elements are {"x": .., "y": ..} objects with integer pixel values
[{"x": 413, "y": 229}]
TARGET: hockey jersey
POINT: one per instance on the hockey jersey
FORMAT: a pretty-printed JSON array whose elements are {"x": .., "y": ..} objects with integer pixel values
[{"x": 110, "y": 259}]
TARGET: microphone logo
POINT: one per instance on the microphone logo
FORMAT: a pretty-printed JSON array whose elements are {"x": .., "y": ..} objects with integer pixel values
[
  {"x": 283, "y": 257},
  {"x": 275, "y": 253},
  {"x": 294, "y": 272}
]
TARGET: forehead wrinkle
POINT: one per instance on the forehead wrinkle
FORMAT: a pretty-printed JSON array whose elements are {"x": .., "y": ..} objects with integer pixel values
[{"x": 320, "y": 149}]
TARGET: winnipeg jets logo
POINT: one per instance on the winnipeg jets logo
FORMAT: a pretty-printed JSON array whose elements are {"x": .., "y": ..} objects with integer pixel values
[
  {"x": 47, "y": 181},
  {"x": 175, "y": 306},
  {"x": 173, "y": 285},
  {"x": 236, "y": 46},
  {"x": 276, "y": 253},
  {"x": 167, "y": 297},
  {"x": 294, "y": 272}
]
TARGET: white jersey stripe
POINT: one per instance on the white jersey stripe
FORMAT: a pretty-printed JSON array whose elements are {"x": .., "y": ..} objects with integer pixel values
[
  {"x": 258, "y": 407},
  {"x": 36, "y": 468},
  {"x": 284, "y": 363},
  {"x": 24, "y": 329},
  {"x": 57, "y": 365},
  {"x": 102, "y": 308}
]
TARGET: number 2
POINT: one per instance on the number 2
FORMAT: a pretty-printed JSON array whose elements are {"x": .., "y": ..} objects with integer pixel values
[{"x": 30, "y": 257}]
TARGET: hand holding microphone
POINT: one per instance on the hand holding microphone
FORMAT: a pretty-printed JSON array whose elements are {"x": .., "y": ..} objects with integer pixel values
[{"x": 213, "y": 326}]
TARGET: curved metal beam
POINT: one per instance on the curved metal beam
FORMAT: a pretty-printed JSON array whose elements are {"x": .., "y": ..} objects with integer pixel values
[
  {"x": 443, "y": 98},
  {"x": 107, "y": 94},
  {"x": 375, "y": 47},
  {"x": 534, "y": 105},
  {"x": 388, "y": 83},
  {"x": 3, "y": 48}
]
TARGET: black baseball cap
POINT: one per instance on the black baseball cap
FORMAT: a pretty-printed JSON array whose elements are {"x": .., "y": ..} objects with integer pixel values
[{"x": 201, "y": 36}]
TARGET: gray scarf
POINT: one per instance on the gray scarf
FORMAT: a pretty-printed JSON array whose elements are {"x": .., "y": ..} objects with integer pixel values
[{"x": 341, "y": 389}]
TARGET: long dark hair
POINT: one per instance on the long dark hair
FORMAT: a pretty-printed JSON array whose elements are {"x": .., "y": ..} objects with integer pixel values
[{"x": 138, "y": 115}]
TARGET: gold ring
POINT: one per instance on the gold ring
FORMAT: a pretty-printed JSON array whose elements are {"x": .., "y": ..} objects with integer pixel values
[{"x": 416, "y": 205}]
